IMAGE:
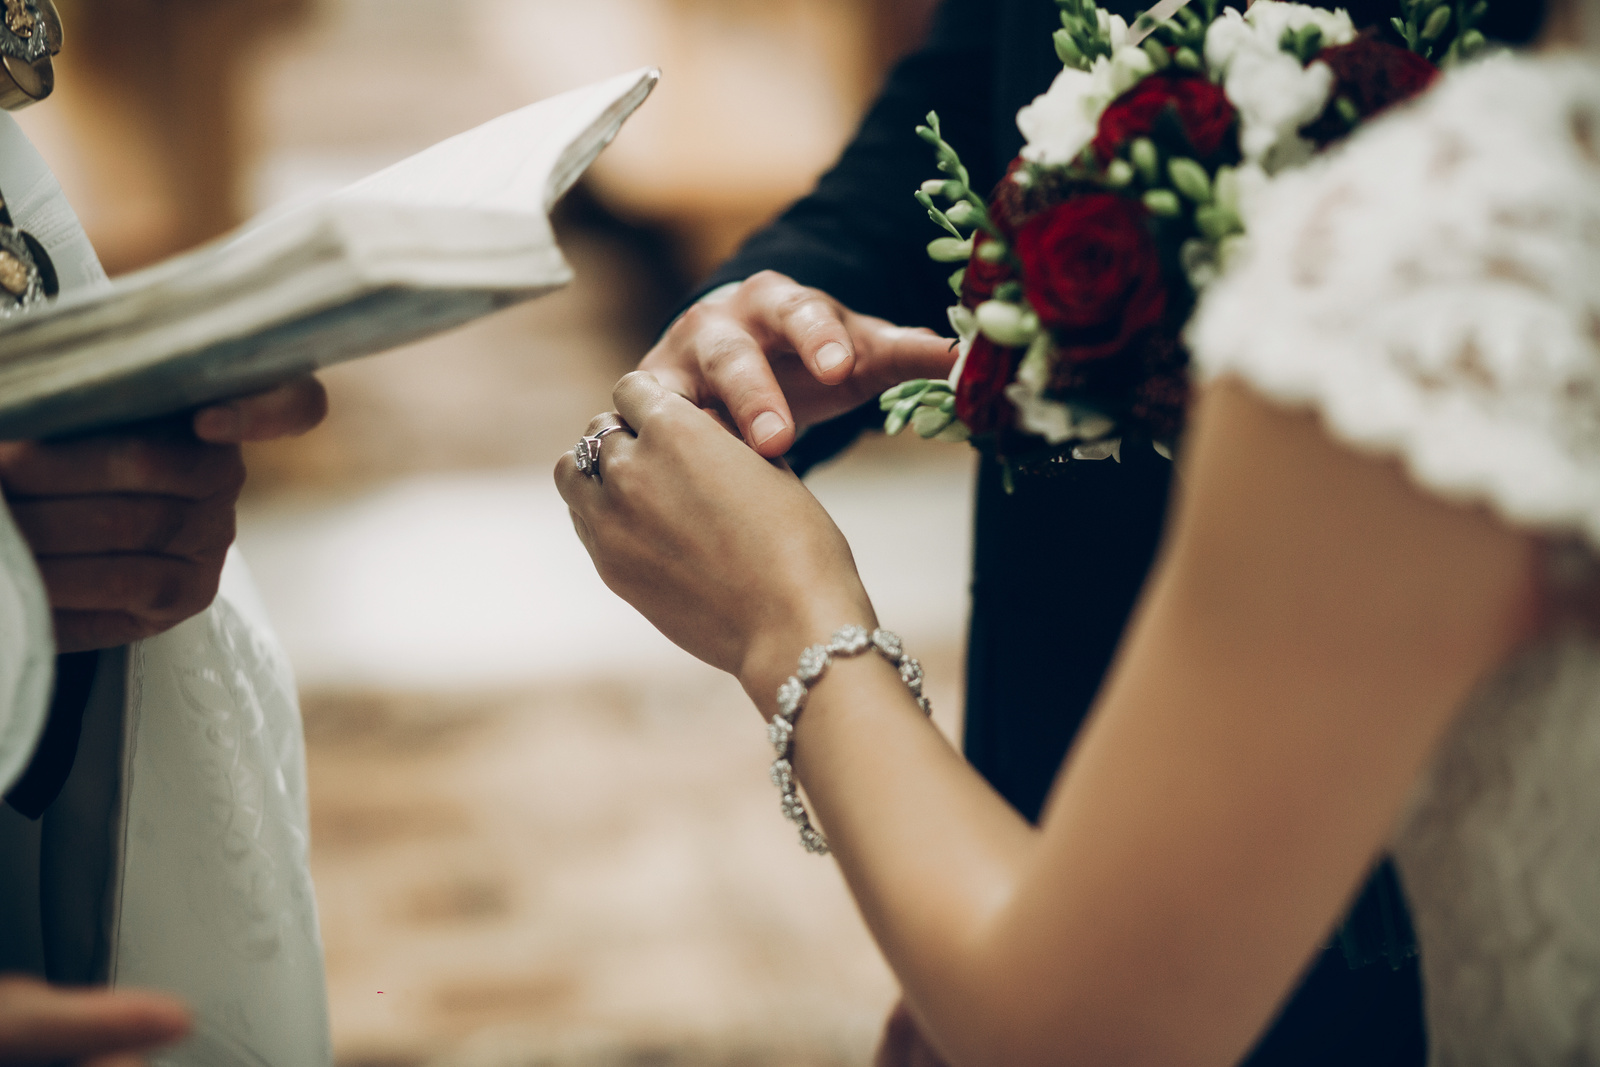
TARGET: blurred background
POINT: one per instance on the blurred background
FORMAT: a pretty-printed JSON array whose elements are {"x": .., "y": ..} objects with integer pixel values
[{"x": 541, "y": 834}]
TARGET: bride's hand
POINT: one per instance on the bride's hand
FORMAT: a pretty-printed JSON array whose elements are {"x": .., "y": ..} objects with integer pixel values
[{"x": 726, "y": 553}]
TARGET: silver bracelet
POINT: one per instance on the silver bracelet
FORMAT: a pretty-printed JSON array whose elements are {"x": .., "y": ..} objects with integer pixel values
[{"x": 849, "y": 642}]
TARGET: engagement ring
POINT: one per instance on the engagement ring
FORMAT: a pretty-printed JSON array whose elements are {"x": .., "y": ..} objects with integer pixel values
[{"x": 587, "y": 451}]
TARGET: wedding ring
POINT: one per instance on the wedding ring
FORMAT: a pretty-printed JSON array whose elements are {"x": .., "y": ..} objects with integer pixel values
[{"x": 587, "y": 451}]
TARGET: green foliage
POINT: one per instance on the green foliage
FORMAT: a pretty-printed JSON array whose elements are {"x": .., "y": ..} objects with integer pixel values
[
  {"x": 1084, "y": 35},
  {"x": 1445, "y": 31},
  {"x": 1185, "y": 31},
  {"x": 1304, "y": 44},
  {"x": 967, "y": 208},
  {"x": 927, "y": 406}
]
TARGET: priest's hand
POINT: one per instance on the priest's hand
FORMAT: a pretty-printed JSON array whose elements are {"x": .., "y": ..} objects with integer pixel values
[
  {"x": 42, "y": 1025},
  {"x": 778, "y": 357},
  {"x": 131, "y": 527}
]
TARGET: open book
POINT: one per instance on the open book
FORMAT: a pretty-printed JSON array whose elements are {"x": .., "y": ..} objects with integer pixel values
[{"x": 455, "y": 232}]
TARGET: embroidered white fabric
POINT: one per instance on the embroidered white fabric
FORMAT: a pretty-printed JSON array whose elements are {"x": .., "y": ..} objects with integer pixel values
[
  {"x": 211, "y": 896},
  {"x": 1433, "y": 291}
]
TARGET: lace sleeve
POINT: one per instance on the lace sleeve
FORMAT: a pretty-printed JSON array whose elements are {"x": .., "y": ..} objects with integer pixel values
[{"x": 1433, "y": 290}]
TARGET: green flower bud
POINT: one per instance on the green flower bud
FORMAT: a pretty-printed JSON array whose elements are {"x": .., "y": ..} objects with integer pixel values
[
  {"x": 1163, "y": 203},
  {"x": 1067, "y": 50},
  {"x": 1147, "y": 159},
  {"x": 962, "y": 213},
  {"x": 993, "y": 251},
  {"x": 956, "y": 279},
  {"x": 898, "y": 415},
  {"x": 1190, "y": 179},
  {"x": 894, "y": 394},
  {"x": 949, "y": 250},
  {"x": 1347, "y": 110},
  {"x": 955, "y": 433},
  {"x": 1007, "y": 324},
  {"x": 948, "y": 404},
  {"x": 1159, "y": 57},
  {"x": 1216, "y": 223},
  {"x": 1119, "y": 174},
  {"x": 934, "y": 187},
  {"x": 1188, "y": 59},
  {"x": 1476, "y": 12},
  {"x": 1010, "y": 292},
  {"x": 1437, "y": 23},
  {"x": 930, "y": 422},
  {"x": 1471, "y": 43},
  {"x": 962, "y": 321},
  {"x": 1310, "y": 42}
]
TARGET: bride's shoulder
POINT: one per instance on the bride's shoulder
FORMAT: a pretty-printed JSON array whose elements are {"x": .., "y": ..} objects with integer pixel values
[{"x": 1433, "y": 288}]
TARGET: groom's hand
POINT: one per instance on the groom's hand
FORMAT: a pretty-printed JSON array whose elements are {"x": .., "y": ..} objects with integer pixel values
[
  {"x": 778, "y": 357},
  {"x": 131, "y": 527}
]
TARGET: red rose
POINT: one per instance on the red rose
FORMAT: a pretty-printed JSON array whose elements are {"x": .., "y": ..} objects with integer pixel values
[
  {"x": 980, "y": 393},
  {"x": 978, "y": 284},
  {"x": 1091, "y": 270},
  {"x": 1201, "y": 107},
  {"x": 1374, "y": 76}
]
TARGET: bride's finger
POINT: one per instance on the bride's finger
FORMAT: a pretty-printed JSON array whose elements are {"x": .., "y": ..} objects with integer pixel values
[
  {"x": 603, "y": 421},
  {"x": 641, "y": 400}
]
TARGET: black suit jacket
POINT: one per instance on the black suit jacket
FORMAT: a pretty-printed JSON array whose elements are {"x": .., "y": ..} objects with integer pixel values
[{"x": 1057, "y": 564}]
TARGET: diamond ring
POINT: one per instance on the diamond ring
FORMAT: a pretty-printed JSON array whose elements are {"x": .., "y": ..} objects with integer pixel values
[{"x": 587, "y": 451}]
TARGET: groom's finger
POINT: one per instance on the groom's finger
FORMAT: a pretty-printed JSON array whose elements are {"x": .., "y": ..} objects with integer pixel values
[
  {"x": 899, "y": 353},
  {"x": 739, "y": 374},
  {"x": 805, "y": 320}
]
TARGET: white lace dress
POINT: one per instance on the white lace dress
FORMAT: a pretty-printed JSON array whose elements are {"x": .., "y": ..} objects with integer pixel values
[{"x": 1433, "y": 290}]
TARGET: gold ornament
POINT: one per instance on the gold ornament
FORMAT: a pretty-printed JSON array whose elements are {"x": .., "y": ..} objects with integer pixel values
[
  {"x": 30, "y": 33},
  {"x": 14, "y": 274}
]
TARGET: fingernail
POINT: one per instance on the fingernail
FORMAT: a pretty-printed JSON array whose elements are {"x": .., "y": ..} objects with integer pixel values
[
  {"x": 766, "y": 426},
  {"x": 831, "y": 355}
]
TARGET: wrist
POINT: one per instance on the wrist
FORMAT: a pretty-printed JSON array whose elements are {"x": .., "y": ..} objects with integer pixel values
[{"x": 774, "y": 654}]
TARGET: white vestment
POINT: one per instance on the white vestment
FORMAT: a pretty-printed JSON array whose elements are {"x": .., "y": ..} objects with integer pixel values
[{"x": 176, "y": 856}]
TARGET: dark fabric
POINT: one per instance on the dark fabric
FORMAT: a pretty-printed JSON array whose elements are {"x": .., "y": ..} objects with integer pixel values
[
  {"x": 1059, "y": 563},
  {"x": 80, "y": 847},
  {"x": 52, "y": 761}
]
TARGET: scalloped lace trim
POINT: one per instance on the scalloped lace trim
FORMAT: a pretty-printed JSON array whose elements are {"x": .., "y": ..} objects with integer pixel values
[{"x": 1434, "y": 290}]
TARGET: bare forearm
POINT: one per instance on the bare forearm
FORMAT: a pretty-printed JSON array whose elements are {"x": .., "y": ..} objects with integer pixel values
[{"x": 932, "y": 854}]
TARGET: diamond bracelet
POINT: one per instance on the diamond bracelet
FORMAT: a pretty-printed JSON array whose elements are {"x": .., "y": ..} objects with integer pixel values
[{"x": 848, "y": 642}]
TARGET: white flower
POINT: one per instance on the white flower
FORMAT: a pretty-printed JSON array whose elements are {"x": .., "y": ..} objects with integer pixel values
[
  {"x": 1273, "y": 93},
  {"x": 1054, "y": 421},
  {"x": 1059, "y": 124},
  {"x": 1129, "y": 67},
  {"x": 1271, "y": 19},
  {"x": 1114, "y": 28}
]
